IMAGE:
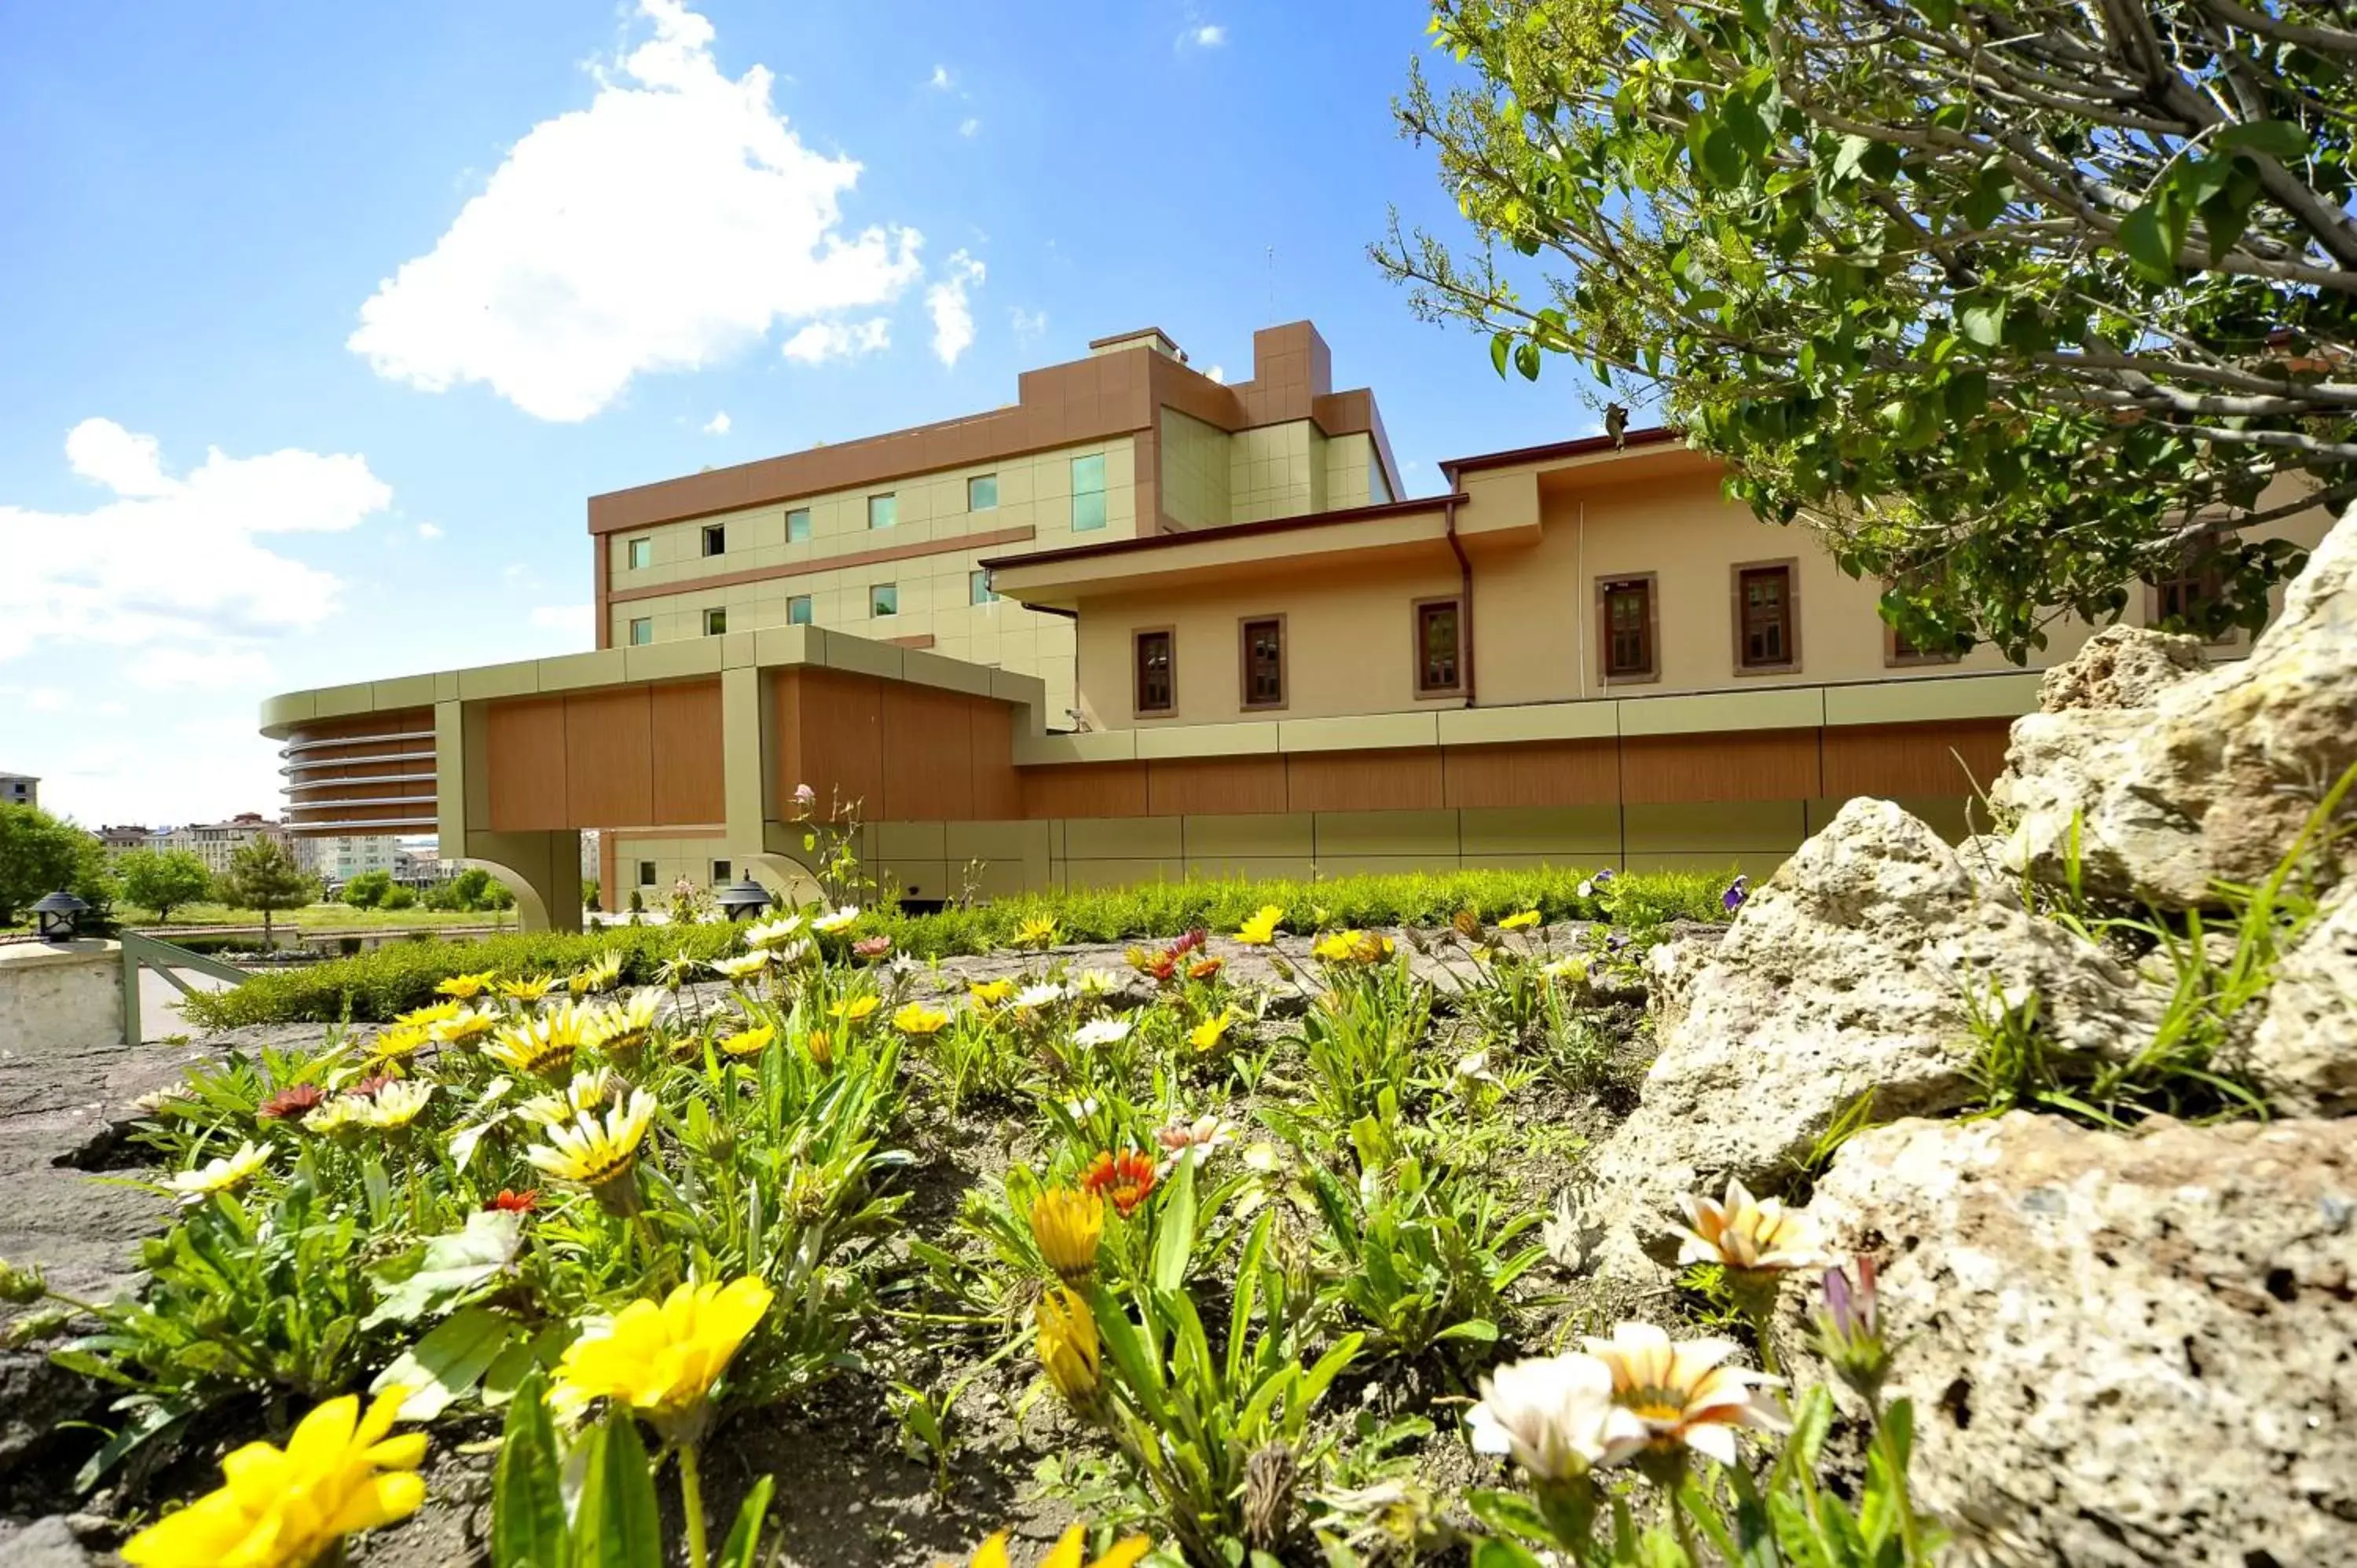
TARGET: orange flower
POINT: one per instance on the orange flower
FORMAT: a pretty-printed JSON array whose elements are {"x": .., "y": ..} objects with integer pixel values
[
  {"x": 1203, "y": 968},
  {"x": 511, "y": 1201},
  {"x": 1124, "y": 1180}
]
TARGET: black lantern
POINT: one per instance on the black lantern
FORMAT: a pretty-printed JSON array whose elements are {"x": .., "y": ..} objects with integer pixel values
[
  {"x": 55, "y": 915},
  {"x": 742, "y": 899}
]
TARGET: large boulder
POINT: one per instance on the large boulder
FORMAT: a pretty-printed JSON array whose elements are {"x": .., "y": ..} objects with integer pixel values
[
  {"x": 2167, "y": 782},
  {"x": 1847, "y": 976},
  {"x": 2303, "y": 1055},
  {"x": 2123, "y": 1350}
]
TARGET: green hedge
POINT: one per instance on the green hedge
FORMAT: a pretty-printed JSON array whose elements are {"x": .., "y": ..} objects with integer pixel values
[{"x": 375, "y": 985}]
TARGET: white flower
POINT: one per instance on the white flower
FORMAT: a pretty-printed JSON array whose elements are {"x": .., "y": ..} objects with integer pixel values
[
  {"x": 1474, "y": 1068},
  {"x": 1749, "y": 1235},
  {"x": 1096, "y": 982},
  {"x": 1099, "y": 1032},
  {"x": 1555, "y": 1415},
  {"x": 1042, "y": 993},
  {"x": 1587, "y": 889},
  {"x": 1680, "y": 1394},
  {"x": 1197, "y": 1138},
  {"x": 774, "y": 933},
  {"x": 396, "y": 1105},
  {"x": 1080, "y": 1110},
  {"x": 836, "y": 920},
  {"x": 226, "y": 1174},
  {"x": 743, "y": 967}
]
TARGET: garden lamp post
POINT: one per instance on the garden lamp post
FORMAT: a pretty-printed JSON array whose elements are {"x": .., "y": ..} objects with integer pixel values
[
  {"x": 742, "y": 899},
  {"x": 55, "y": 915}
]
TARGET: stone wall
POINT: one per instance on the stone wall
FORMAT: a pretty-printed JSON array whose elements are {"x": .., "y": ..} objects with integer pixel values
[{"x": 60, "y": 997}]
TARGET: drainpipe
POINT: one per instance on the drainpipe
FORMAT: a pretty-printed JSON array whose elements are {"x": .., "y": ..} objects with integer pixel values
[{"x": 1464, "y": 574}]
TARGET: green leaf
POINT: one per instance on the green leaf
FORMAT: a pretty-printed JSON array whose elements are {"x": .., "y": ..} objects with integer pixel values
[
  {"x": 2147, "y": 246},
  {"x": 447, "y": 1363},
  {"x": 1501, "y": 345},
  {"x": 1174, "y": 1230},
  {"x": 1527, "y": 360},
  {"x": 745, "y": 1537},
  {"x": 451, "y": 1266},
  {"x": 1982, "y": 322},
  {"x": 616, "y": 1525},
  {"x": 528, "y": 1489},
  {"x": 1480, "y": 1330},
  {"x": 1493, "y": 1552},
  {"x": 2279, "y": 139}
]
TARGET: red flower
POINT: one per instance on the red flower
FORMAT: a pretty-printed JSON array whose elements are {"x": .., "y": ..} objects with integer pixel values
[
  {"x": 512, "y": 1202},
  {"x": 1190, "y": 941},
  {"x": 1122, "y": 1180},
  {"x": 1203, "y": 968},
  {"x": 1162, "y": 966},
  {"x": 871, "y": 947},
  {"x": 295, "y": 1101},
  {"x": 369, "y": 1087}
]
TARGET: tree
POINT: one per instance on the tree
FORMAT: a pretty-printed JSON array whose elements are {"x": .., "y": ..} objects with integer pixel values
[
  {"x": 39, "y": 854},
  {"x": 399, "y": 897},
  {"x": 162, "y": 880},
  {"x": 263, "y": 876},
  {"x": 2014, "y": 301},
  {"x": 367, "y": 889}
]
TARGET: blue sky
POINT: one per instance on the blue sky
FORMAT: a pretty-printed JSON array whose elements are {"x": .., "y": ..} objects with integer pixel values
[{"x": 319, "y": 324}]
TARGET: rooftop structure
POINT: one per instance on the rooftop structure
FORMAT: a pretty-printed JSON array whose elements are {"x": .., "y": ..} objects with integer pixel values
[{"x": 19, "y": 790}]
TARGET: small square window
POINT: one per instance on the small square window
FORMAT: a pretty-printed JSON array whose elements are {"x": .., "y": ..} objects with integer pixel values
[
  {"x": 884, "y": 599},
  {"x": 715, "y": 622},
  {"x": 715, "y": 538},
  {"x": 1087, "y": 492},
  {"x": 883, "y": 511},
  {"x": 642, "y": 631},
  {"x": 642, "y": 555},
  {"x": 977, "y": 588},
  {"x": 798, "y": 610},
  {"x": 798, "y": 529},
  {"x": 720, "y": 872},
  {"x": 646, "y": 874},
  {"x": 1157, "y": 679},
  {"x": 981, "y": 493}
]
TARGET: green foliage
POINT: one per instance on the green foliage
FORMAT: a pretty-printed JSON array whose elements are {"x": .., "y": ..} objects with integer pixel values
[
  {"x": 40, "y": 854},
  {"x": 471, "y": 888},
  {"x": 2013, "y": 306},
  {"x": 1419, "y": 1253},
  {"x": 399, "y": 897},
  {"x": 162, "y": 880},
  {"x": 263, "y": 876},
  {"x": 367, "y": 890}
]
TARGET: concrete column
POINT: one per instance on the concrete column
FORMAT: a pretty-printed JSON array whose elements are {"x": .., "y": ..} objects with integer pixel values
[
  {"x": 61, "y": 997},
  {"x": 542, "y": 868}
]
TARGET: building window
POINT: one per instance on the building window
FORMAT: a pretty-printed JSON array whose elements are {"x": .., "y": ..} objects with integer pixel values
[
  {"x": 1263, "y": 656},
  {"x": 981, "y": 493},
  {"x": 2177, "y": 601},
  {"x": 1627, "y": 621},
  {"x": 646, "y": 874},
  {"x": 1157, "y": 674},
  {"x": 977, "y": 588},
  {"x": 1087, "y": 493},
  {"x": 719, "y": 872},
  {"x": 1439, "y": 648},
  {"x": 642, "y": 631},
  {"x": 798, "y": 610},
  {"x": 715, "y": 538},
  {"x": 715, "y": 622},
  {"x": 1767, "y": 626},
  {"x": 798, "y": 526},
  {"x": 642, "y": 555},
  {"x": 884, "y": 599},
  {"x": 883, "y": 511}
]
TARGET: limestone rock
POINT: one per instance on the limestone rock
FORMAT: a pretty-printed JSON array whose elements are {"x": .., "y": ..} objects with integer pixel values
[
  {"x": 2123, "y": 1350},
  {"x": 2304, "y": 1052},
  {"x": 1847, "y": 974},
  {"x": 2213, "y": 776},
  {"x": 2120, "y": 667},
  {"x": 45, "y": 1543}
]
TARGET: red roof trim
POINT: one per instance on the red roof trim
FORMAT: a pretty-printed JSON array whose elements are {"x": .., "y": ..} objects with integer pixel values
[
  {"x": 1579, "y": 446},
  {"x": 1226, "y": 531}
]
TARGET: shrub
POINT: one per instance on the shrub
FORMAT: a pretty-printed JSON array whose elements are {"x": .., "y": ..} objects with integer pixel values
[
  {"x": 367, "y": 890},
  {"x": 399, "y": 897}
]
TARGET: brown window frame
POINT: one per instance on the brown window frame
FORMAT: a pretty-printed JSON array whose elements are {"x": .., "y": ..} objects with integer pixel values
[
  {"x": 1244, "y": 700},
  {"x": 1137, "y": 672},
  {"x": 1652, "y": 670},
  {"x": 1455, "y": 603},
  {"x": 1789, "y": 665},
  {"x": 716, "y": 540},
  {"x": 2209, "y": 575}
]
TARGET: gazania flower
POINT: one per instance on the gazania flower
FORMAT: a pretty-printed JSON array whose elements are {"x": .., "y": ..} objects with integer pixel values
[
  {"x": 1261, "y": 930},
  {"x": 527, "y": 988},
  {"x": 369, "y": 1087},
  {"x": 1737, "y": 892},
  {"x": 1207, "y": 1035},
  {"x": 1204, "y": 968},
  {"x": 819, "y": 1046},
  {"x": 1098, "y": 1033},
  {"x": 340, "y": 1115},
  {"x": 588, "y": 1091},
  {"x": 1750, "y": 1236},
  {"x": 511, "y": 1201},
  {"x": 1123, "y": 1179},
  {"x": 662, "y": 1362},
  {"x": 400, "y": 1042},
  {"x": 544, "y": 1045},
  {"x": 1849, "y": 1332},
  {"x": 1681, "y": 1393},
  {"x": 600, "y": 975},
  {"x": 396, "y": 1106},
  {"x": 1068, "y": 1227},
  {"x": 741, "y": 967},
  {"x": 868, "y": 950},
  {"x": 749, "y": 1042},
  {"x": 338, "y": 1474},
  {"x": 463, "y": 1025},
  {"x": 770, "y": 934},
  {"x": 467, "y": 987},
  {"x": 1039, "y": 931},
  {"x": 834, "y": 920},
  {"x": 1520, "y": 923},
  {"x": 296, "y": 1099},
  {"x": 1354, "y": 947},
  {"x": 916, "y": 1018},
  {"x": 1069, "y": 1349},
  {"x": 622, "y": 1027},
  {"x": 433, "y": 1012},
  {"x": 1068, "y": 1553},
  {"x": 1474, "y": 1068},
  {"x": 598, "y": 1153},
  {"x": 1096, "y": 982},
  {"x": 225, "y": 1173},
  {"x": 1199, "y": 1138},
  {"x": 990, "y": 992},
  {"x": 1039, "y": 994},
  {"x": 1572, "y": 969},
  {"x": 852, "y": 1009},
  {"x": 1555, "y": 1415}
]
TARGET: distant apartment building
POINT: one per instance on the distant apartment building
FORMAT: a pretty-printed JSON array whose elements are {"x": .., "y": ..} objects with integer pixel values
[
  {"x": 19, "y": 790},
  {"x": 215, "y": 843},
  {"x": 122, "y": 839},
  {"x": 342, "y": 856}
]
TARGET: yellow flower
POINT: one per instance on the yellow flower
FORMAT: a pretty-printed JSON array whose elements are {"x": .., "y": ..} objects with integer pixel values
[
  {"x": 1068, "y": 1225},
  {"x": 1068, "y": 1553},
  {"x": 1068, "y": 1351},
  {"x": 1207, "y": 1035},
  {"x": 341, "y": 1114},
  {"x": 400, "y": 1042},
  {"x": 991, "y": 992},
  {"x": 1750, "y": 1236},
  {"x": 464, "y": 1024},
  {"x": 432, "y": 1014},
  {"x": 1681, "y": 1393},
  {"x": 749, "y": 1042},
  {"x": 598, "y": 1155},
  {"x": 530, "y": 989},
  {"x": 774, "y": 934},
  {"x": 544, "y": 1045},
  {"x": 1039, "y": 931},
  {"x": 1522, "y": 922},
  {"x": 834, "y": 920},
  {"x": 662, "y": 1361},
  {"x": 467, "y": 987},
  {"x": 1353, "y": 946},
  {"x": 622, "y": 1027},
  {"x": 394, "y": 1106},
  {"x": 340, "y": 1472},
  {"x": 745, "y": 966},
  {"x": 821, "y": 1047},
  {"x": 225, "y": 1173},
  {"x": 851, "y": 1010},
  {"x": 1261, "y": 930},
  {"x": 601, "y": 973},
  {"x": 916, "y": 1018}
]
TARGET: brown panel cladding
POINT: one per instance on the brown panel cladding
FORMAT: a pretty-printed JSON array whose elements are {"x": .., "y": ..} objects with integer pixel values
[
  {"x": 1363, "y": 781},
  {"x": 997, "y": 789},
  {"x": 1535, "y": 773},
  {"x": 524, "y": 738},
  {"x": 928, "y": 738},
  {"x": 608, "y": 757},
  {"x": 1764, "y": 765},
  {"x": 1948, "y": 759},
  {"x": 952, "y": 545},
  {"x": 685, "y": 723},
  {"x": 831, "y": 737},
  {"x": 397, "y": 722},
  {"x": 407, "y": 789},
  {"x": 1225, "y": 786},
  {"x": 316, "y": 772},
  {"x": 1084, "y": 789},
  {"x": 602, "y": 591}
]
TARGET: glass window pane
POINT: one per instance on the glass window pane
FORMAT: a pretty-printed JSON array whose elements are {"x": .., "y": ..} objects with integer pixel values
[
  {"x": 981, "y": 492},
  {"x": 978, "y": 589},
  {"x": 883, "y": 511},
  {"x": 715, "y": 622},
  {"x": 1088, "y": 511},
  {"x": 884, "y": 599},
  {"x": 798, "y": 527},
  {"x": 720, "y": 869},
  {"x": 642, "y": 632},
  {"x": 1088, "y": 474},
  {"x": 798, "y": 610},
  {"x": 715, "y": 538},
  {"x": 642, "y": 555}
]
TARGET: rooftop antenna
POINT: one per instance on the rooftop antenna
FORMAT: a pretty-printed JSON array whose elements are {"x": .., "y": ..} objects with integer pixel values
[{"x": 1271, "y": 283}]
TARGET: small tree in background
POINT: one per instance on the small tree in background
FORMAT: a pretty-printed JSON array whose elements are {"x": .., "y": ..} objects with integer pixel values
[
  {"x": 399, "y": 897},
  {"x": 263, "y": 876},
  {"x": 40, "y": 854},
  {"x": 367, "y": 890},
  {"x": 162, "y": 880}
]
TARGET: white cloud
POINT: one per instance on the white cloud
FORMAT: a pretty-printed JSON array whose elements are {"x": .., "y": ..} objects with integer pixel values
[
  {"x": 177, "y": 562},
  {"x": 578, "y": 619},
  {"x": 969, "y": 127},
  {"x": 717, "y": 424},
  {"x": 429, "y": 531},
  {"x": 1026, "y": 324},
  {"x": 940, "y": 81},
  {"x": 824, "y": 340},
  {"x": 1217, "y": 373},
  {"x": 40, "y": 699},
  {"x": 1209, "y": 36},
  {"x": 184, "y": 669},
  {"x": 668, "y": 224},
  {"x": 953, "y": 313}
]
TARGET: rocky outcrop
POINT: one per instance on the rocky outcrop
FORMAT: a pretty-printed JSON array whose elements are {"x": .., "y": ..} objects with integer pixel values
[
  {"x": 46, "y": 1542},
  {"x": 2171, "y": 782},
  {"x": 1847, "y": 976},
  {"x": 2121, "y": 1350},
  {"x": 2303, "y": 1055}
]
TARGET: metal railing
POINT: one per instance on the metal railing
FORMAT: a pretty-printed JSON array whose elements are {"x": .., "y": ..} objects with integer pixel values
[{"x": 145, "y": 952}]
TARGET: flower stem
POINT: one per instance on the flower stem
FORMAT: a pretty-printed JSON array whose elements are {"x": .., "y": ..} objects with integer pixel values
[{"x": 691, "y": 1503}]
